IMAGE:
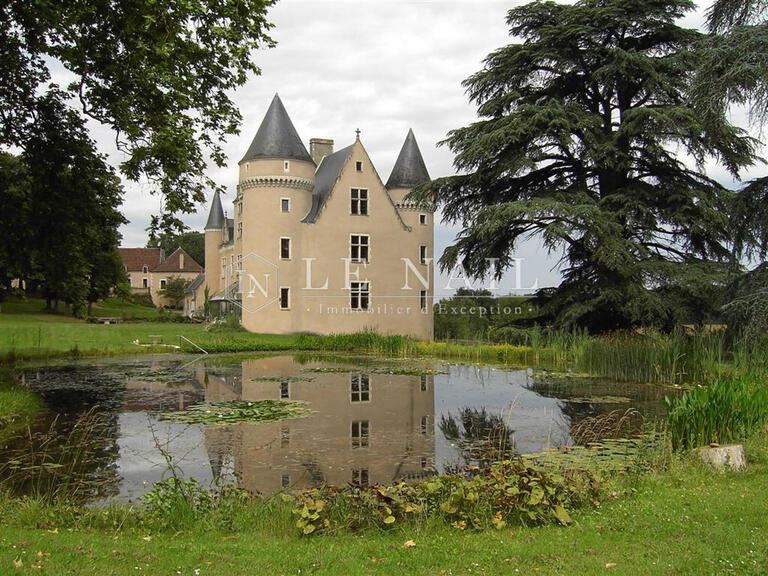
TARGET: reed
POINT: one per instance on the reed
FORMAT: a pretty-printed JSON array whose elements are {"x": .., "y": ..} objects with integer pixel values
[
  {"x": 726, "y": 411},
  {"x": 50, "y": 465}
]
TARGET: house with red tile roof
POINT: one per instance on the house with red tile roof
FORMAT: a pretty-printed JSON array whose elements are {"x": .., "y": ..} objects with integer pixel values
[{"x": 149, "y": 272}]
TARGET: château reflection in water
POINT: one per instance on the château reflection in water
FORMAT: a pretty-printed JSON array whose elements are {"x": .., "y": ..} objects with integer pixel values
[
  {"x": 364, "y": 427},
  {"x": 371, "y": 421}
]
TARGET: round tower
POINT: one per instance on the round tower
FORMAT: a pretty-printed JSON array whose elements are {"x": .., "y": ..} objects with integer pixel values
[
  {"x": 274, "y": 193},
  {"x": 408, "y": 172},
  {"x": 214, "y": 237}
]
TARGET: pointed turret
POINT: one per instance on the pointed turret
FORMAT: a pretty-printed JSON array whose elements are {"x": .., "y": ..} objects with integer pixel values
[
  {"x": 409, "y": 169},
  {"x": 216, "y": 219},
  {"x": 277, "y": 138}
]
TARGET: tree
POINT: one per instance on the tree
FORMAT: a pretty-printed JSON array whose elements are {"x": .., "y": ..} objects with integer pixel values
[
  {"x": 174, "y": 290},
  {"x": 734, "y": 63},
  {"x": 579, "y": 142},
  {"x": 192, "y": 242},
  {"x": 15, "y": 245},
  {"x": 73, "y": 208},
  {"x": 159, "y": 74},
  {"x": 734, "y": 71}
]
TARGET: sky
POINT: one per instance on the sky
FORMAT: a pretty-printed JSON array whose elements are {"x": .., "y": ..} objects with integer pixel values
[{"x": 382, "y": 67}]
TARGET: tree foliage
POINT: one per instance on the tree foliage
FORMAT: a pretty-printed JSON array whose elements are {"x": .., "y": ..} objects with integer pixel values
[
  {"x": 159, "y": 74},
  {"x": 192, "y": 242},
  {"x": 174, "y": 290},
  {"x": 61, "y": 207},
  {"x": 583, "y": 128},
  {"x": 734, "y": 63}
]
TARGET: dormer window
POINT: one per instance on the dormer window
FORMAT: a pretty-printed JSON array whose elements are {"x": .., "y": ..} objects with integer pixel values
[
  {"x": 286, "y": 166},
  {"x": 145, "y": 269}
]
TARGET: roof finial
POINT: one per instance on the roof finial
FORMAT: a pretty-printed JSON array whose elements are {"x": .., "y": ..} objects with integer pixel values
[{"x": 358, "y": 133}]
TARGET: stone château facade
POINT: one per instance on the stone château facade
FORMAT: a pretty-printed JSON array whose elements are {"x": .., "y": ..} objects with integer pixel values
[{"x": 317, "y": 242}]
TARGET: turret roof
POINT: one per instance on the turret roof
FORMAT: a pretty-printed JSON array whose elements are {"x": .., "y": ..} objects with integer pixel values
[
  {"x": 277, "y": 137},
  {"x": 216, "y": 214},
  {"x": 409, "y": 169}
]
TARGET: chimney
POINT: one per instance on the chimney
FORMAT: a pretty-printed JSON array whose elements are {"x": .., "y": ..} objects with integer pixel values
[
  {"x": 320, "y": 148},
  {"x": 181, "y": 261}
]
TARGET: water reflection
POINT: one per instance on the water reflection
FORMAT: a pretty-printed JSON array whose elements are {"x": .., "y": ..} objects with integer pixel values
[
  {"x": 372, "y": 421},
  {"x": 365, "y": 427}
]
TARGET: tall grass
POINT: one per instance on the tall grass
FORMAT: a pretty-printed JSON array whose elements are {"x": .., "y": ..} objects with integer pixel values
[
  {"x": 725, "y": 411},
  {"x": 53, "y": 465}
]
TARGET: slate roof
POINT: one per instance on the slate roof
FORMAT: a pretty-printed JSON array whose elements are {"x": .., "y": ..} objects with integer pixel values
[
  {"x": 173, "y": 263},
  {"x": 134, "y": 259},
  {"x": 216, "y": 214},
  {"x": 409, "y": 169},
  {"x": 325, "y": 179},
  {"x": 195, "y": 284},
  {"x": 276, "y": 137}
]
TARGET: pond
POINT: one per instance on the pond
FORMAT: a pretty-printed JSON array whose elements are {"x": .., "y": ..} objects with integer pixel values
[{"x": 369, "y": 420}]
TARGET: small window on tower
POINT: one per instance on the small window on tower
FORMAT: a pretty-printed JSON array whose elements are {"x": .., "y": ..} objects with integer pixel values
[
  {"x": 359, "y": 166},
  {"x": 423, "y": 219},
  {"x": 423, "y": 254},
  {"x": 285, "y": 248},
  {"x": 285, "y": 204},
  {"x": 286, "y": 166},
  {"x": 423, "y": 300},
  {"x": 285, "y": 298}
]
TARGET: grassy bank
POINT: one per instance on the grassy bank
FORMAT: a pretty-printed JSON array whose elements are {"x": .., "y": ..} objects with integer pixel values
[
  {"x": 18, "y": 407},
  {"x": 676, "y": 358},
  {"x": 688, "y": 520}
]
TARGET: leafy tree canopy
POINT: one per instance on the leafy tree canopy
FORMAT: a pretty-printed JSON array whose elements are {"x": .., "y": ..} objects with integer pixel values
[
  {"x": 192, "y": 242},
  {"x": 174, "y": 290},
  {"x": 159, "y": 74},
  {"x": 60, "y": 215},
  {"x": 583, "y": 128}
]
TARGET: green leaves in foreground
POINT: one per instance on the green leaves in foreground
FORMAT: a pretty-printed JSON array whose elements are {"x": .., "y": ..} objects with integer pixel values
[
  {"x": 238, "y": 411},
  {"x": 506, "y": 493}
]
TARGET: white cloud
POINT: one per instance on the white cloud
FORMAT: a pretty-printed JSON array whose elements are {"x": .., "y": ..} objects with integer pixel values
[{"x": 379, "y": 66}]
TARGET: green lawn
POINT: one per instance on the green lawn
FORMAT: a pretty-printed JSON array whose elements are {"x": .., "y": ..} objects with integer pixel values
[{"x": 689, "y": 521}]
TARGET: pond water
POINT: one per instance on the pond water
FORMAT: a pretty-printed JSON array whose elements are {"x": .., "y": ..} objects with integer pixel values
[{"x": 372, "y": 420}]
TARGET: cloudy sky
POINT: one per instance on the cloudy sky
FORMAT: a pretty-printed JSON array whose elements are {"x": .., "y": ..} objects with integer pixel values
[{"x": 382, "y": 67}]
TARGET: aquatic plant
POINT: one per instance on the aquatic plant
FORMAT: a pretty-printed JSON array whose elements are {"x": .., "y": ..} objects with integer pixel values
[
  {"x": 238, "y": 411},
  {"x": 728, "y": 410},
  {"x": 506, "y": 493},
  {"x": 68, "y": 461},
  {"x": 482, "y": 438},
  {"x": 614, "y": 424}
]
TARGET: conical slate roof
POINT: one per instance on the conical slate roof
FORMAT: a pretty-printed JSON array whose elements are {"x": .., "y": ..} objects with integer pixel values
[
  {"x": 216, "y": 215},
  {"x": 409, "y": 169},
  {"x": 276, "y": 137}
]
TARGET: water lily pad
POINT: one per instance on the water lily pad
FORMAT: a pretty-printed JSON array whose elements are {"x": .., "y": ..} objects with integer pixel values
[
  {"x": 239, "y": 411},
  {"x": 598, "y": 400}
]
